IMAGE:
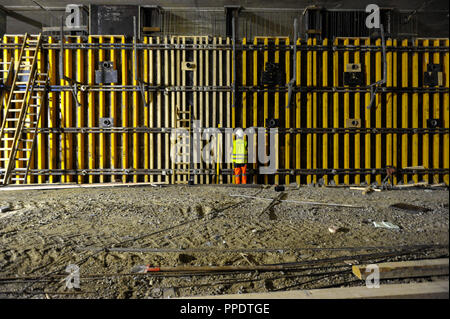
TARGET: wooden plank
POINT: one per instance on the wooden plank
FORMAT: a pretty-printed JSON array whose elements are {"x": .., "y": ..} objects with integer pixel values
[
  {"x": 405, "y": 269},
  {"x": 425, "y": 290}
]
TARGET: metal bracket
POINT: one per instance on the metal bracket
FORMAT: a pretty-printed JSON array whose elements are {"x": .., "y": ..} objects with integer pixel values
[
  {"x": 73, "y": 88},
  {"x": 383, "y": 81}
]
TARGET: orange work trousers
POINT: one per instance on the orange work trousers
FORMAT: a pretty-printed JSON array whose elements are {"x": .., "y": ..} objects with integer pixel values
[{"x": 240, "y": 172}]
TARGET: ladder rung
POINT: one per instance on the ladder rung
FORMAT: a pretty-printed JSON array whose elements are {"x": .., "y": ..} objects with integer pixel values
[
  {"x": 26, "y": 140},
  {"x": 18, "y": 179},
  {"x": 5, "y": 149},
  {"x": 14, "y": 110},
  {"x": 24, "y": 149},
  {"x": 21, "y": 82},
  {"x": 14, "y": 101},
  {"x": 15, "y": 119},
  {"x": 30, "y": 49},
  {"x": 20, "y": 92}
]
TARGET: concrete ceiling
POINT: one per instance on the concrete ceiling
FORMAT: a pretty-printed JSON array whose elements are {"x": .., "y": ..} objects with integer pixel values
[
  {"x": 329, "y": 4},
  {"x": 29, "y": 9}
]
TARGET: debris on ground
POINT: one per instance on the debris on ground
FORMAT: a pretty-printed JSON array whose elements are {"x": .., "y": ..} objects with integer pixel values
[
  {"x": 385, "y": 225},
  {"x": 4, "y": 209},
  {"x": 410, "y": 208}
]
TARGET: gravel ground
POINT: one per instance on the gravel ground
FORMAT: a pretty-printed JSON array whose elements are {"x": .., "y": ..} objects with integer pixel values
[{"x": 46, "y": 230}]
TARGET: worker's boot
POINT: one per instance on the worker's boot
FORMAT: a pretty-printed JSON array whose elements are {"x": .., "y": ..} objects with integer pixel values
[
  {"x": 244, "y": 175},
  {"x": 237, "y": 172}
]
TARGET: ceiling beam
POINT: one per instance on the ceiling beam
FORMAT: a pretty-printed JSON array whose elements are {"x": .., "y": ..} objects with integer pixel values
[{"x": 22, "y": 18}]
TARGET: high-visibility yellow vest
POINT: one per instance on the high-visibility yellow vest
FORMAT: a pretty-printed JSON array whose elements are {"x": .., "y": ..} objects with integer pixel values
[{"x": 239, "y": 151}]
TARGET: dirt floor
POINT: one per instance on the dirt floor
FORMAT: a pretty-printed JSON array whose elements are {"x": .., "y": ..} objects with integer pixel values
[{"x": 46, "y": 230}]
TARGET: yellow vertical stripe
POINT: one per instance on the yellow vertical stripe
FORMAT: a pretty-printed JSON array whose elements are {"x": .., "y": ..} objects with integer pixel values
[
  {"x": 425, "y": 115},
  {"x": 357, "y": 116},
  {"x": 277, "y": 116},
  {"x": 309, "y": 110},
  {"x": 101, "y": 107},
  {"x": 446, "y": 114},
  {"x": 436, "y": 115},
  {"x": 125, "y": 153},
  {"x": 346, "y": 117},
  {"x": 287, "y": 141},
  {"x": 389, "y": 103},
  {"x": 395, "y": 114},
  {"x": 69, "y": 113},
  {"x": 91, "y": 110},
  {"x": 114, "y": 115},
  {"x": 336, "y": 112},
  {"x": 415, "y": 111},
  {"x": 80, "y": 110},
  {"x": 298, "y": 115},
  {"x": 405, "y": 67},
  {"x": 378, "y": 109},
  {"x": 325, "y": 110},
  {"x": 146, "y": 113},
  {"x": 367, "y": 153},
  {"x": 314, "y": 111}
]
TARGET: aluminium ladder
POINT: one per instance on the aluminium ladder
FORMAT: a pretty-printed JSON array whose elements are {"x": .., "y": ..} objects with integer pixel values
[
  {"x": 22, "y": 113},
  {"x": 182, "y": 161}
]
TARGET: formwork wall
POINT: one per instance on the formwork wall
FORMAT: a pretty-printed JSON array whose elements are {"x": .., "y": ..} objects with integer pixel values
[{"x": 313, "y": 144}]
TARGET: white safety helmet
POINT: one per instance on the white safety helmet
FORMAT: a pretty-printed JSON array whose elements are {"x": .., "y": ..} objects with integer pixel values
[{"x": 239, "y": 133}]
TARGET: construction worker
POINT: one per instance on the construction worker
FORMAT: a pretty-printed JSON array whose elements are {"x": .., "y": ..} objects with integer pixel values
[{"x": 240, "y": 158}]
